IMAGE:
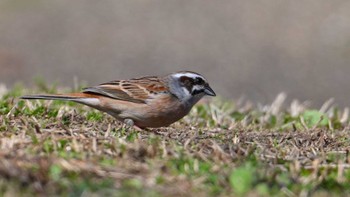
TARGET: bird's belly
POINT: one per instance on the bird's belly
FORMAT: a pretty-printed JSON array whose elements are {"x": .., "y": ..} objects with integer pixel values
[
  {"x": 158, "y": 121},
  {"x": 156, "y": 113},
  {"x": 151, "y": 117}
]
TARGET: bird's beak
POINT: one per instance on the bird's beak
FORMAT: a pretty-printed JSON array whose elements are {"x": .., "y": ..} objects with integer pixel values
[{"x": 208, "y": 91}]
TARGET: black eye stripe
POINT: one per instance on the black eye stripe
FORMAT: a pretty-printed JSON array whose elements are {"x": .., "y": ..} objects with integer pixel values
[
  {"x": 199, "y": 81},
  {"x": 193, "y": 85}
]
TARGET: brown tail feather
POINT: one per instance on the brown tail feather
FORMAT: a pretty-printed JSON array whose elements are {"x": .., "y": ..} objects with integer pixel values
[{"x": 68, "y": 97}]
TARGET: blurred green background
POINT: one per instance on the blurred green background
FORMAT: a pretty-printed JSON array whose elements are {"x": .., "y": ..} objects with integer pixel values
[{"x": 254, "y": 49}]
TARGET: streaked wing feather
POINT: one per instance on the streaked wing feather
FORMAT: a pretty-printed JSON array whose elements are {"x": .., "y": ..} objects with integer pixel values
[
  {"x": 112, "y": 93},
  {"x": 134, "y": 90}
]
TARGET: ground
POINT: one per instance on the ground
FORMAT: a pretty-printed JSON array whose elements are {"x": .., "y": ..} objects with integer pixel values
[{"x": 222, "y": 148}]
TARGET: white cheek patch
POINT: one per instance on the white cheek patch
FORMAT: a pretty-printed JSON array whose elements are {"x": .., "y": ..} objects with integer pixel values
[{"x": 197, "y": 88}]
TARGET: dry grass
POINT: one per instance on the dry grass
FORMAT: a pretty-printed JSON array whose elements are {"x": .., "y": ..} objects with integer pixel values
[{"x": 221, "y": 148}]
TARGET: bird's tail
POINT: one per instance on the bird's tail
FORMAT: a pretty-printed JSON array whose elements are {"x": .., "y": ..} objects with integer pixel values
[
  {"x": 84, "y": 98},
  {"x": 47, "y": 97},
  {"x": 67, "y": 97}
]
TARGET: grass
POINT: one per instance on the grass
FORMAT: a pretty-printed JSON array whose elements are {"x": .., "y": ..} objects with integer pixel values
[{"x": 221, "y": 148}]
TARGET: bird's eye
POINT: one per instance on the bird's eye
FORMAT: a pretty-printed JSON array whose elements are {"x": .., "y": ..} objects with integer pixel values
[{"x": 199, "y": 81}]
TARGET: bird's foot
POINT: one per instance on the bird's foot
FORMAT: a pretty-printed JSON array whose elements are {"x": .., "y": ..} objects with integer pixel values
[{"x": 129, "y": 123}]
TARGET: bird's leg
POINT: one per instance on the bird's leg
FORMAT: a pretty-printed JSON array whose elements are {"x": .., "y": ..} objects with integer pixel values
[{"x": 129, "y": 123}]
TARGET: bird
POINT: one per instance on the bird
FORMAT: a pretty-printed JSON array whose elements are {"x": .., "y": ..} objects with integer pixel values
[{"x": 144, "y": 102}]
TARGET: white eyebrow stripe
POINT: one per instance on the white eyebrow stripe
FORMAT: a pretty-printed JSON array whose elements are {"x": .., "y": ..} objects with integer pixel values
[{"x": 191, "y": 75}]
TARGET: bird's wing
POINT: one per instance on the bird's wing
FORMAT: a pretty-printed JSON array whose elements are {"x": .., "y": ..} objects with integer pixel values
[{"x": 135, "y": 90}]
